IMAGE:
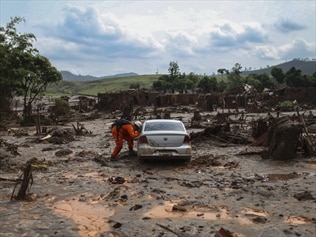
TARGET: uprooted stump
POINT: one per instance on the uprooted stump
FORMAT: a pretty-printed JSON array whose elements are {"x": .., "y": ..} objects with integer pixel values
[
  {"x": 284, "y": 137},
  {"x": 27, "y": 181},
  {"x": 80, "y": 129}
]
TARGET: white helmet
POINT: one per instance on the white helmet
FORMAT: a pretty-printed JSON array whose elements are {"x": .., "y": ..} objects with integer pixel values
[{"x": 138, "y": 123}]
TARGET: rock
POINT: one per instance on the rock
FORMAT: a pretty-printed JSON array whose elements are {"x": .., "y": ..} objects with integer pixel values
[
  {"x": 63, "y": 152},
  {"x": 179, "y": 208},
  {"x": 303, "y": 196},
  {"x": 260, "y": 219},
  {"x": 136, "y": 207}
]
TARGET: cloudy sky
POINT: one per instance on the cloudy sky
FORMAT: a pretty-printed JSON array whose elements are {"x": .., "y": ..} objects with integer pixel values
[{"x": 106, "y": 37}]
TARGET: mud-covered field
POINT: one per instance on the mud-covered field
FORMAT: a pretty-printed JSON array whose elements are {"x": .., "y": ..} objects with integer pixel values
[{"x": 227, "y": 189}]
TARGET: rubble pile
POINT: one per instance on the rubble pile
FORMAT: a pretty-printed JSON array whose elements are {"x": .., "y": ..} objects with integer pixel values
[{"x": 251, "y": 174}]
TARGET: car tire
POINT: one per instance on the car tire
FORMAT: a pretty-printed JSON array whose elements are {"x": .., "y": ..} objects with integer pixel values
[
  {"x": 140, "y": 160},
  {"x": 186, "y": 161}
]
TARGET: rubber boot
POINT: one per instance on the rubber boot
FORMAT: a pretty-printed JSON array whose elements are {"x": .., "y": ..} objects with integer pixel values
[{"x": 131, "y": 152}]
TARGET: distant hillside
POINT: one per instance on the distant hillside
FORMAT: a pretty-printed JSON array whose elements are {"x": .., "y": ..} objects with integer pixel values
[
  {"x": 67, "y": 87},
  {"x": 68, "y": 76},
  {"x": 307, "y": 67}
]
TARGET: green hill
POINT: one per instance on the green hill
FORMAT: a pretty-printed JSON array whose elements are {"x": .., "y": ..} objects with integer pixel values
[
  {"x": 65, "y": 87},
  {"x": 306, "y": 67},
  {"x": 68, "y": 76},
  {"x": 90, "y": 85}
]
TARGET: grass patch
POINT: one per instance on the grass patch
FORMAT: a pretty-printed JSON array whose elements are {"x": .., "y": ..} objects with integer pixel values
[{"x": 101, "y": 86}]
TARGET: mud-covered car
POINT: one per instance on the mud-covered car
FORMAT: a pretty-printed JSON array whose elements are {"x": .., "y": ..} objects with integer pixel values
[{"x": 164, "y": 139}]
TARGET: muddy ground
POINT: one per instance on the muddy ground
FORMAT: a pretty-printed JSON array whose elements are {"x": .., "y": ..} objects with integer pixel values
[{"x": 227, "y": 189}]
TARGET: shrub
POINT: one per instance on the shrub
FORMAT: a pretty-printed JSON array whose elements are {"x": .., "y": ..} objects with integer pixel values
[
  {"x": 285, "y": 106},
  {"x": 61, "y": 108}
]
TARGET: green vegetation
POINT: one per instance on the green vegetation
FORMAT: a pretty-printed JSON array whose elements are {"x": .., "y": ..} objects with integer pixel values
[
  {"x": 23, "y": 71},
  {"x": 61, "y": 108},
  {"x": 285, "y": 106},
  {"x": 102, "y": 86},
  {"x": 180, "y": 82}
]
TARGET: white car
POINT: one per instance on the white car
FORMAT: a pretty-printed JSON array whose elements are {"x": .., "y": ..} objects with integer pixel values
[{"x": 164, "y": 139}]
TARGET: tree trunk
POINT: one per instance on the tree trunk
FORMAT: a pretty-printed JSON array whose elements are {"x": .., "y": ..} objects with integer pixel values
[
  {"x": 284, "y": 136},
  {"x": 5, "y": 100},
  {"x": 27, "y": 180}
]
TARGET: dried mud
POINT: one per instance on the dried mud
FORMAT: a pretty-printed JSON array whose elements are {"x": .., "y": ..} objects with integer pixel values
[{"x": 225, "y": 190}]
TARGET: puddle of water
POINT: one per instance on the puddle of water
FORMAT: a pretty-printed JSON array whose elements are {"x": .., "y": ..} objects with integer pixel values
[
  {"x": 91, "y": 219},
  {"x": 206, "y": 213},
  {"x": 297, "y": 220}
]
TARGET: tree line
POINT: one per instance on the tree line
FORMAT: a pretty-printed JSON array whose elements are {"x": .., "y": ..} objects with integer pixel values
[{"x": 179, "y": 82}]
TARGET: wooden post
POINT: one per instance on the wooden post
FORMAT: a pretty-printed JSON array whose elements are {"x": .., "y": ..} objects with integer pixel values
[{"x": 27, "y": 180}]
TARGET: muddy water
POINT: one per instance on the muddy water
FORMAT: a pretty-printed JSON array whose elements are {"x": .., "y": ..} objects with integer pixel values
[
  {"x": 90, "y": 218},
  {"x": 244, "y": 194}
]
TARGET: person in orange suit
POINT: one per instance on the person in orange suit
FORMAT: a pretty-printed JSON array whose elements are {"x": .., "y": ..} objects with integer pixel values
[{"x": 125, "y": 132}]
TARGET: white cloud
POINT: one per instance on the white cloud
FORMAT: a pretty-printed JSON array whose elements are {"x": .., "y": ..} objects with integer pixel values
[
  {"x": 298, "y": 48},
  {"x": 286, "y": 26},
  {"x": 107, "y": 37},
  {"x": 266, "y": 52}
]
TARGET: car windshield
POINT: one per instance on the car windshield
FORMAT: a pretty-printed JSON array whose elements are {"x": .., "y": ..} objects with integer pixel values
[{"x": 165, "y": 126}]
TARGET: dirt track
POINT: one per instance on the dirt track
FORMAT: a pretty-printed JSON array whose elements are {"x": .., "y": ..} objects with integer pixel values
[{"x": 220, "y": 193}]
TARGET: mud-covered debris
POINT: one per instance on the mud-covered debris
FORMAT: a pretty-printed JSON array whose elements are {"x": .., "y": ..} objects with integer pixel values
[
  {"x": 80, "y": 129},
  {"x": 117, "y": 225},
  {"x": 253, "y": 150},
  {"x": 209, "y": 160},
  {"x": 284, "y": 177},
  {"x": 115, "y": 194},
  {"x": 261, "y": 126},
  {"x": 124, "y": 198},
  {"x": 136, "y": 207},
  {"x": 303, "y": 196},
  {"x": 312, "y": 127},
  {"x": 193, "y": 184},
  {"x": 9, "y": 147},
  {"x": 60, "y": 136},
  {"x": 114, "y": 234},
  {"x": 208, "y": 132},
  {"x": 260, "y": 219},
  {"x": 179, "y": 208},
  {"x": 100, "y": 159},
  {"x": 237, "y": 183},
  {"x": 17, "y": 132},
  {"x": 222, "y": 133},
  {"x": 88, "y": 154},
  {"x": 174, "y": 231},
  {"x": 116, "y": 180},
  {"x": 231, "y": 164},
  {"x": 225, "y": 233},
  {"x": 158, "y": 191},
  {"x": 41, "y": 165},
  {"x": 284, "y": 134},
  {"x": 63, "y": 152}
]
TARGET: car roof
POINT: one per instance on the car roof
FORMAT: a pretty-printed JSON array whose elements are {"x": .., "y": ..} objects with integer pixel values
[
  {"x": 163, "y": 121},
  {"x": 163, "y": 125}
]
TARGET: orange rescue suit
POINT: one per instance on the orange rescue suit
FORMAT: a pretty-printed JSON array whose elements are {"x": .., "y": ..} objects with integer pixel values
[{"x": 126, "y": 132}]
